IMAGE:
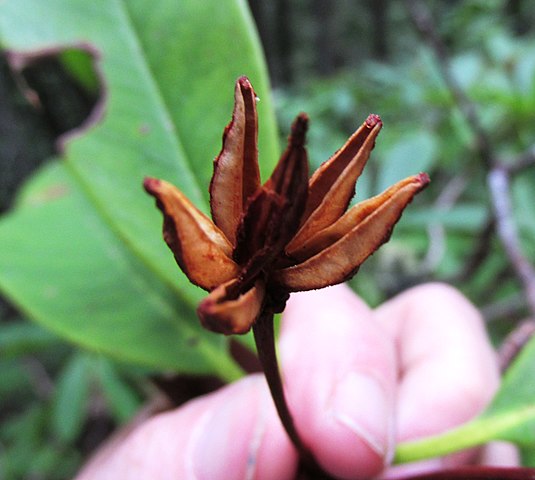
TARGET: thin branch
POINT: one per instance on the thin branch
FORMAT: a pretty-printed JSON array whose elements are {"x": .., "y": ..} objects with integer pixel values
[
  {"x": 40, "y": 379},
  {"x": 521, "y": 162},
  {"x": 445, "y": 201},
  {"x": 265, "y": 344},
  {"x": 479, "y": 254},
  {"x": 499, "y": 186},
  {"x": 509, "y": 308},
  {"x": 514, "y": 343}
]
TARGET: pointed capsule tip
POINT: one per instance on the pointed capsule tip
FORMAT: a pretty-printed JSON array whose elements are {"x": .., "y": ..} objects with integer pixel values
[
  {"x": 151, "y": 184},
  {"x": 423, "y": 178},
  {"x": 299, "y": 129},
  {"x": 244, "y": 83},
  {"x": 373, "y": 120}
]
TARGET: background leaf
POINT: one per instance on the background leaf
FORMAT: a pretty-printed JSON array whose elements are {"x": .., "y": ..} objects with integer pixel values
[
  {"x": 71, "y": 398},
  {"x": 85, "y": 255},
  {"x": 414, "y": 152},
  {"x": 122, "y": 400},
  {"x": 19, "y": 338}
]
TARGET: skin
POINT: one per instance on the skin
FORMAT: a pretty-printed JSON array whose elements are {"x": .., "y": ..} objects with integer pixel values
[{"x": 357, "y": 380}]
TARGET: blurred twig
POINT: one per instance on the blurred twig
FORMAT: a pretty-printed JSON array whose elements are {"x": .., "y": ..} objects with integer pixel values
[
  {"x": 39, "y": 377},
  {"x": 514, "y": 342},
  {"x": 499, "y": 186},
  {"x": 498, "y": 176},
  {"x": 445, "y": 201},
  {"x": 478, "y": 255},
  {"x": 504, "y": 308},
  {"x": 523, "y": 161}
]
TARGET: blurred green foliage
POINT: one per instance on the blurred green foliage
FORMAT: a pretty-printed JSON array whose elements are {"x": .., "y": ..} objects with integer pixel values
[
  {"x": 57, "y": 401},
  {"x": 55, "y": 397},
  {"x": 425, "y": 131}
]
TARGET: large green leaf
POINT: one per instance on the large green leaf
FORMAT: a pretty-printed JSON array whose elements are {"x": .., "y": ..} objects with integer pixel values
[
  {"x": 168, "y": 70},
  {"x": 510, "y": 416},
  {"x": 69, "y": 270}
]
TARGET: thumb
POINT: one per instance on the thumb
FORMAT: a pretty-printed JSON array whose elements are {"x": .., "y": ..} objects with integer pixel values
[
  {"x": 340, "y": 375},
  {"x": 231, "y": 433}
]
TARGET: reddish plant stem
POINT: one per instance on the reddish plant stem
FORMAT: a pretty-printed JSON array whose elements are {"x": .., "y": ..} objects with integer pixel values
[{"x": 263, "y": 330}]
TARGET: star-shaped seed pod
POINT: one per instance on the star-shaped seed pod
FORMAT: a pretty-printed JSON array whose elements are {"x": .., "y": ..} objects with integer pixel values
[{"x": 289, "y": 234}]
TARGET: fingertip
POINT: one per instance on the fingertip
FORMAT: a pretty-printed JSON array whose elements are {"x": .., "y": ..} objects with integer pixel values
[
  {"x": 428, "y": 304},
  {"x": 355, "y": 439},
  {"x": 241, "y": 437},
  {"x": 449, "y": 369},
  {"x": 339, "y": 371}
]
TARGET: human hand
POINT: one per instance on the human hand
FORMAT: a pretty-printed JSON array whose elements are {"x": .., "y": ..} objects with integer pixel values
[{"x": 357, "y": 381}]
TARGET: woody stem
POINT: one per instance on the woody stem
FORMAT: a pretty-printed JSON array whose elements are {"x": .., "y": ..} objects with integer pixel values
[{"x": 265, "y": 344}]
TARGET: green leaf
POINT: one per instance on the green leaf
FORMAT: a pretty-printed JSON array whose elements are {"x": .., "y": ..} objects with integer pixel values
[
  {"x": 19, "y": 338},
  {"x": 469, "y": 217},
  {"x": 87, "y": 259},
  {"x": 467, "y": 69},
  {"x": 412, "y": 154},
  {"x": 527, "y": 455},
  {"x": 90, "y": 289},
  {"x": 15, "y": 379},
  {"x": 71, "y": 398},
  {"x": 80, "y": 65},
  {"x": 122, "y": 400},
  {"x": 510, "y": 416},
  {"x": 523, "y": 201},
  {"x": 21, "y": 434},
  {"x": 27, "y": 451}
]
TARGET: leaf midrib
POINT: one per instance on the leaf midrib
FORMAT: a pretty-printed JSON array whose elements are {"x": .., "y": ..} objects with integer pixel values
[
  {"x": 115, "y": 228},
  {"x": 87, "y": 187}
]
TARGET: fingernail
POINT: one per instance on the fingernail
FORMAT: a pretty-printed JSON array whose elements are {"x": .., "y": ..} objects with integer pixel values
[{"x": 361, "y": 404}]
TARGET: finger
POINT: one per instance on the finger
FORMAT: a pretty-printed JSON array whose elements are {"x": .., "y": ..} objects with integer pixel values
[
  {"x": 448, "y": 370},
  {"x": 500, "y": 454},
  {"x": 232, "y": 433},
  {"x": 339, "y": 371}
]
